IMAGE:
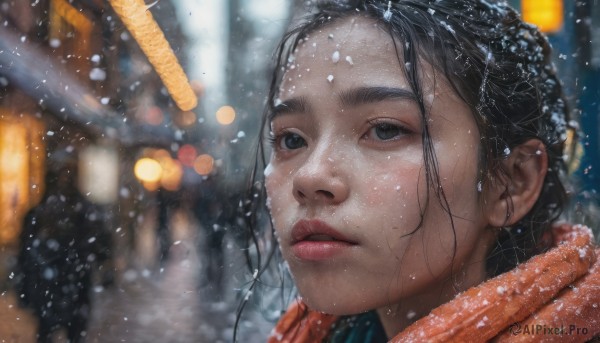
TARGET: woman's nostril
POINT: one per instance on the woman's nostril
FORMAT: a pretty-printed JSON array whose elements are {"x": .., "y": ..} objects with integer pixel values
[{"x": 327, "y": 194}]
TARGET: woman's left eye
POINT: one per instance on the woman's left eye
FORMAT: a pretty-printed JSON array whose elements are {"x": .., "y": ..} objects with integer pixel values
[{"x": 386, "y": 131}]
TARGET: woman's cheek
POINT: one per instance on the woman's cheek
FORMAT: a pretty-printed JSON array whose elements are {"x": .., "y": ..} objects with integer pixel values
[
  {"x": 396, "y": 187},
  {"x": 275, "y": 194}
]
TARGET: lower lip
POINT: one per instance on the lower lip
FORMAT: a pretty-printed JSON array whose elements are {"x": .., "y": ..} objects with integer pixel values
[{"x": 319, "y": 250}]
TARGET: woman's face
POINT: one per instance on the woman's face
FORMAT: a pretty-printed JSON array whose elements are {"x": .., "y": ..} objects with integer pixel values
[{"x": 347, "y": 182}]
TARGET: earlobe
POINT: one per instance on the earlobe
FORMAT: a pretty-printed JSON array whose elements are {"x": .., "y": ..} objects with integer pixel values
[{"x": 512, "y": 195}]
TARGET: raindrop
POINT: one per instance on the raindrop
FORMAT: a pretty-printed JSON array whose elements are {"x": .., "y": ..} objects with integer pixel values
[
  {"x": 335, "y": 57},
  {"x": 387, "y": 15},
  {"x": 447, "y": 27},
  {"x": 97, "y": 74},
  {"x": 48, "y": 273}
]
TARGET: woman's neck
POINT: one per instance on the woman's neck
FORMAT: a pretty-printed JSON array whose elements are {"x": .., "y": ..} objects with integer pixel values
[{"x": 396, "y": 317}]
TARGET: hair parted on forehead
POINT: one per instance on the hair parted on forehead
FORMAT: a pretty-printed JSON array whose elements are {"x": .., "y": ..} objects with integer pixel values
[{"x": 497, "y": 64}]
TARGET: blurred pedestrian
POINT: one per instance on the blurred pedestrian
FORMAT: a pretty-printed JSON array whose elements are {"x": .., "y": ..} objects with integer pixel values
[
  {"x": 62, "y": 239},
  {"x": 211, "y": 210},
  {"x": 167, "y": 203}
]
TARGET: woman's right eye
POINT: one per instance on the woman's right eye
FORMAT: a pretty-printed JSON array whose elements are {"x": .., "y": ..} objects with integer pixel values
[{"x": 289, "y": 141}]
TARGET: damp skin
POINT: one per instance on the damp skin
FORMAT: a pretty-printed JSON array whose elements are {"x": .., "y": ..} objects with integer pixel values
[{"x": 331, "y": 164}]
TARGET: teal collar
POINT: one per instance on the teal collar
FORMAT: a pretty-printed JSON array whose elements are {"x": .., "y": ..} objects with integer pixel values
[{"x": 360, "y": 328}]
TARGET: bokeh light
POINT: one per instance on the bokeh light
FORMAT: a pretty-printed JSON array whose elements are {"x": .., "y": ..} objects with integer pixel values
[
  {"x": 187, "y": 154},
  {"x": 172, "y": 174},
  {"x": 545, "y": 14},
  {"x": 154, "y": 116},
  {"x": 198, "y": 88},
  {"x": 204, "y": 164},
  {"x": 185, "y": 119},
  {"x": 225, "y": 115},
  {"x": 147, "y": 170}
]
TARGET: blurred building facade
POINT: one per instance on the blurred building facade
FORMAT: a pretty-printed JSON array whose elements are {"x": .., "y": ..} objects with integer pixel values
[{"x": 72, "y": 78}]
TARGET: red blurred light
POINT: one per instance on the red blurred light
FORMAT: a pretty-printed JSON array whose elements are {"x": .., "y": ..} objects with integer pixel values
[{"x": 187, "y": 154}]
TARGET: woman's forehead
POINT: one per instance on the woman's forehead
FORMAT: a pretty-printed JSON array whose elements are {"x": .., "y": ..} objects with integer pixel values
[
  {"x": 353, "y": 52},
  {"x": 346, "y": 34},
  {"x": 345, "y": 52}
]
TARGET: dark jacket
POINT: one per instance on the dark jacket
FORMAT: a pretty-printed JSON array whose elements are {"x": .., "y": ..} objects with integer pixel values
[{"x": 62, "y": 239}]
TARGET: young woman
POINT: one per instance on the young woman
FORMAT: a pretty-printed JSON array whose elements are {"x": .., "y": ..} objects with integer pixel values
[{"x": 416, "y": 154}]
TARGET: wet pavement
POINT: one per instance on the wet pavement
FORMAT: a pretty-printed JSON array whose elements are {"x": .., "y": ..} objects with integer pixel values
[{"x": 154, "y": 304}]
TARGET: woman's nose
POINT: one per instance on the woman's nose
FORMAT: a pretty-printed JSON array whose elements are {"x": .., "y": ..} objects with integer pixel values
[{"x": 320, "y": 180}]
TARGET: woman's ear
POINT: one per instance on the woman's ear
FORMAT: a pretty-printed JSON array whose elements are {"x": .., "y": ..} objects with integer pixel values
[{"x": 512, "y": 195}]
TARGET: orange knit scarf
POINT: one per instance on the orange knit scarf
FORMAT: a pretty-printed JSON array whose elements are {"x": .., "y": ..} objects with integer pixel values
[{"x": 555, "y": 296}]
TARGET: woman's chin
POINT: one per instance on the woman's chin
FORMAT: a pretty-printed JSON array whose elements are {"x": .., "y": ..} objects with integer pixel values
[{"x": 335, "y": 305}]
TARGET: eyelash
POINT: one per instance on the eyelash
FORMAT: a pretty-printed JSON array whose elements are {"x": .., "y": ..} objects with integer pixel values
[
  {"x": 274, "y": 140},
  {"x": 379, "y": 122}
]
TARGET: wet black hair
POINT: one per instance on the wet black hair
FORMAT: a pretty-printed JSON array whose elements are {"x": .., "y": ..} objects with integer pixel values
[{"x": 497, "y": 64}]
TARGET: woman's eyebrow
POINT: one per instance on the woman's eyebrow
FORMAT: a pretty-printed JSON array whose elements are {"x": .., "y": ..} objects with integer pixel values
[
  {"x": 366, "y": 95},
  {"x": 293, "y": 105}
]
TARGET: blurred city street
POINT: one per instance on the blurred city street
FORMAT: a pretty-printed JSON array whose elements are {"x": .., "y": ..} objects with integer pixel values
[{"x": 156, "y": 304}]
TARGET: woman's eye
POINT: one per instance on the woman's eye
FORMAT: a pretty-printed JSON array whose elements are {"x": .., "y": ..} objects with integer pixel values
[
  {"x": 385, "y": 132},
  {"x": 291, "y": 141}
]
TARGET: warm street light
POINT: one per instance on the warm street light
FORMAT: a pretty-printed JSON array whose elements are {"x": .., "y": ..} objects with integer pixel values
[
  {"x": 547, "y": 15},
  {"x": 142, "y": 26},
  {"x": 22, "y": 165},
  {"x": 147, "y": 170},
  {"x": 225, "y": 115},
  {"x": 204, "y": 164},
  {"x": 171, "y": 175}
]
